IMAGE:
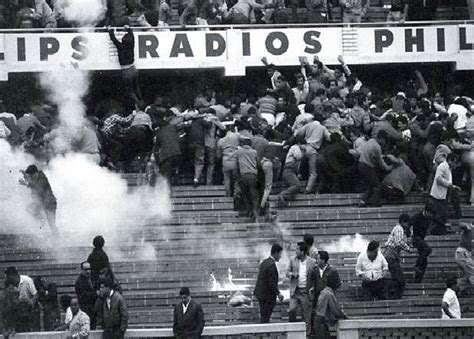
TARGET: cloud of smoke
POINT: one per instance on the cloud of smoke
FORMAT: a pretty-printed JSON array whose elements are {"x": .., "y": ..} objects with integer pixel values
[
  {"x": 66, "y": 89},
  {"x": 91, "y": 199},
  {"x": 82, "y": 13},
  {"x": 347, "y": 243},
  {"x": 95, "y": 199},
  {"x": 13, "y": 197}
]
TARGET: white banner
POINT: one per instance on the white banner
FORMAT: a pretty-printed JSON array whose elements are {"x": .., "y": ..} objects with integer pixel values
[{"x": 236, "y": 49}]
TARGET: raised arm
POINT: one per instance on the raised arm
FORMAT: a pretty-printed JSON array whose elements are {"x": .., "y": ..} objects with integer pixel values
[
  {"x": 423, "y": 87},
  {"x": 114, "y": 38},
  {"x": 130, "y": 32}
]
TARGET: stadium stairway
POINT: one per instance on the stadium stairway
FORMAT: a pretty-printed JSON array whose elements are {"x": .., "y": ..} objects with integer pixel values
[{"x": 206, "y": 236}]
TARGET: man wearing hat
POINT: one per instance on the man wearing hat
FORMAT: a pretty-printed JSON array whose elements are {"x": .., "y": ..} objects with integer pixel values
[
  {"x": 188, "y": 317},
  {"x": 44, "y": 199}
]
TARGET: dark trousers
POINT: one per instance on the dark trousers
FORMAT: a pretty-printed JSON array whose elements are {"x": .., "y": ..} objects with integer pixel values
[
  {"x": 440, "y": 215},
  {"x": 113, "y": 333},
  {"x": 266, "y": 309},
  {"x": 114, "y": 147},
  {"x": 130, "y": 81},
  {"x": 50, "y": 212},
  {"x": 424, "y": 250},
  {"x": 199, "y": 153},
  {"x": 90, "y": 311},
  {"x": 168, "y": 166},
  {"x": 138, "y": 141},
  {"x": 51, "y": 316},
  {"x": 370, "y": 178},
  {"x": 248, "y": 183},
  {"x": 28, "y": 318},
  {"x": 187, "y": 335},
  {"x": 321, "y": 328},
  {"x": 294, "y": 185},
  {"x": 455, "y": 199},
  {"x": 398, "y": 281},
  {"x": 387, "y": 193},
  {"x": 374, "y": 289}
]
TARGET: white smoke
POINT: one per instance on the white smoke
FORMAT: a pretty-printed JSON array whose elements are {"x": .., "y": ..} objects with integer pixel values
[
  {"x": 82, "y": 13},
  {"x": 13, "y": 198},
  {"x": 347, "y": 243},
  {"x": 66, "y": 88},
  {"x": 91, "y": 200}
]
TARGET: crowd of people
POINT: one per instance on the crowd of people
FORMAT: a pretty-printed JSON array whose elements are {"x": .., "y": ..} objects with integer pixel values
[
  {"x": 32, "y": 304},
  {"x": 157, "y": 13},
  {"x": 98, "y": 300},
  {"x": 313, "y": 285},
  {"x": 314, "y": 282},
  {"x": 330, "y": 129}
]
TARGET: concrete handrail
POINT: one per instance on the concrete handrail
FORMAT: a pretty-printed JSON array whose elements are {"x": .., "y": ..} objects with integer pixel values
[
  {"x": 349, "y": 329},
  {"x": 293, "y": 331},
  {"x": 244, "y": 26}
]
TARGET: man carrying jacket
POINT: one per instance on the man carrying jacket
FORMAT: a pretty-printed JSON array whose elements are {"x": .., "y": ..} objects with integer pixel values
[{"x": 300, "y": 273}]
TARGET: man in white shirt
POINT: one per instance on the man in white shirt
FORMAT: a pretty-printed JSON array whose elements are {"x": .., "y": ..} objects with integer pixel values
[
  {"x": 373, "y": 269},
  {"x": 77, "y": 322},
  {"x": 458, "y": 113},
  {"x": 450, "y": 308},
  {"x": 299, "y": 273},
  {"x": 301, "y": 90},
  {"x": 27, "y": 296}
]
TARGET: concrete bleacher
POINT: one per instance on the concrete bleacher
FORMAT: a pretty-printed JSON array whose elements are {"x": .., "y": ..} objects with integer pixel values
[{"x": 205, "y": 235}]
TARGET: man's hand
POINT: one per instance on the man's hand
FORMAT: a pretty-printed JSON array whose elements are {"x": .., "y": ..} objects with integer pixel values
[
  {"x": 280, "y": 297},
  {"x": 22, "y": 181},
  {"x": 264, "y": 60},
  {"x": 303, "y": 60},
  {"x": 340, "y": 58},
  {"x": 456, "y": 188}
]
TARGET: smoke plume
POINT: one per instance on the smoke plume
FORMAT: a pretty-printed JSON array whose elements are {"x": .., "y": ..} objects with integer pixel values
[
  {"x": 91, "y": 199},
  {"x": 66, "y": 88},
  {"x": 347, "y": 243},
  {"x": 82, "y": 13}
]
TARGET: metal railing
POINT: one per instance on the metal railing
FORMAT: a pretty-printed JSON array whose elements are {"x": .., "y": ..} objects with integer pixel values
[{"x": 243, "y": 27}]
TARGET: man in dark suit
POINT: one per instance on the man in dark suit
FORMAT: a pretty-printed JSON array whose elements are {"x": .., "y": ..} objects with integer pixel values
[
  {"x": 86, "y": 293},
  {"x": 188, "y": 317},
  {"x": 113, "y": 312},
  {"x": 266, "y": 288},
  {"x": 319, "y": 276}
]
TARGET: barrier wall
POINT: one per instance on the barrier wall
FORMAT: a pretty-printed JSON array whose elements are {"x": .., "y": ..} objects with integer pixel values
[
  {"x": 235, "y": 48},
  {"x": 275, "y": 330},
  {"x": 406, "y": 328}
]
